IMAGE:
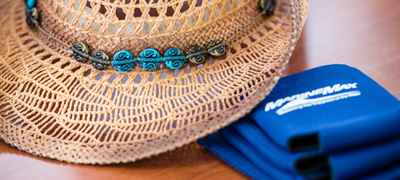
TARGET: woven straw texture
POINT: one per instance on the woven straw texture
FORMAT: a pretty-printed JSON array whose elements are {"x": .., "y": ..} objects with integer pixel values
[{"x": 55, "y": 107}]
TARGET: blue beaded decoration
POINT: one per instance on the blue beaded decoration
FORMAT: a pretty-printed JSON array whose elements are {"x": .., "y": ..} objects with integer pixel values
[
  {"x": 149, "y": 59},
  {"x": 30, "y": 4},
  {"x": 174, "y": 58},
  {"x": 123, "y": 61}
]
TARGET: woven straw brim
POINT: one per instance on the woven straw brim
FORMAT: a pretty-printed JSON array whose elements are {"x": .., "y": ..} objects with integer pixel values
[{"x": 55, "y": 107}]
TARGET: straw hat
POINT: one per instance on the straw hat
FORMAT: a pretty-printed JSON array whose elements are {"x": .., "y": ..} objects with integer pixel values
[{"x": 55, "y": 107}]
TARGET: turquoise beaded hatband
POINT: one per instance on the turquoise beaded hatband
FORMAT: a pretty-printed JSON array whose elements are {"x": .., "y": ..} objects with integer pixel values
[
  {"x": 30, "y": 4},
  {"x": 149, "y": 58},
  {"x": 174, "y": 59},
  {"x": 123, "y": 61}
]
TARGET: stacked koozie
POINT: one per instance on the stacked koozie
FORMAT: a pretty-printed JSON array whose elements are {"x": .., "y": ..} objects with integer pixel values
[{"x": 331, "y": 122}]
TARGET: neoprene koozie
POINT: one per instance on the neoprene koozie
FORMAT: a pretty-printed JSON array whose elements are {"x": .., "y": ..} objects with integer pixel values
[
  {"x": 317, "y": 122},
  {"x": 305, "y": 111},
  {"x": 250, "y": 140},
  {"x": 223, "y": 149},
  {"x": 375, "y": 162}
]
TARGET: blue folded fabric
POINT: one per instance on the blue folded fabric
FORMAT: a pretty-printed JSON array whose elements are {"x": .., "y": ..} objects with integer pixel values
[
  {"x": 260, "y": 160},
  {"x": 270, "y": 163},
  {"x": 250, "y": 140},
  {"x": 349, "y": 164},
  {"x": 252, "y": 145},
  {"x": 229, "y": 154},
  {"x": 223, "y": 149},
  {"x": 246, "y": 132},
  {"x": 306, "y": 111},
  {"x": 389, "y": 172}
]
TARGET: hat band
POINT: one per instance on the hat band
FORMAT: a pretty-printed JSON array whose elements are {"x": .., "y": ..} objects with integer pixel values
[{"x": 149, "y": 59}]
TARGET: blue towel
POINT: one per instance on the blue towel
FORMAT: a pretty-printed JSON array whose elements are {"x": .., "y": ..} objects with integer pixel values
[{"x": 305, "y": 111}]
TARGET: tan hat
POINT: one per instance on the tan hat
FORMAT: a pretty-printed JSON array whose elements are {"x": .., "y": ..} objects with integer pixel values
[{"x": 55, "y": 107}]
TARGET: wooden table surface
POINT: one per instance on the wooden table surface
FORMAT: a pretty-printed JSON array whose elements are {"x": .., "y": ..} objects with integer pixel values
[{"x": 361, "y": 33}]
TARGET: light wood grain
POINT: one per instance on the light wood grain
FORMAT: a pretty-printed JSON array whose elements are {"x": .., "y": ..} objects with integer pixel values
[{"x": 361, "y": 33}]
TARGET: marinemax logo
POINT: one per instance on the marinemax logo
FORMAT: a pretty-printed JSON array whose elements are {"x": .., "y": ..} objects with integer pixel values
[{"x": 303, "y": 100}]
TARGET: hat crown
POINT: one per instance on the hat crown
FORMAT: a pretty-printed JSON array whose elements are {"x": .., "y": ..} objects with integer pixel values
[{"x": 113, "y": 25}]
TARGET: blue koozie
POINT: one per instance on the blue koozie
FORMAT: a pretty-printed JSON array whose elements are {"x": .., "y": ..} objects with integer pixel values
[
  {"x": 250, "y": 140},
  {"x": 229, "y": 154},
  {"x": 252, "y": 165},
  {"x": 329, "y": 108},
  {"x": 328, "y": 122},
  {"x": 223, "y": 149},
  {"x": 245, "y": 134}
]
